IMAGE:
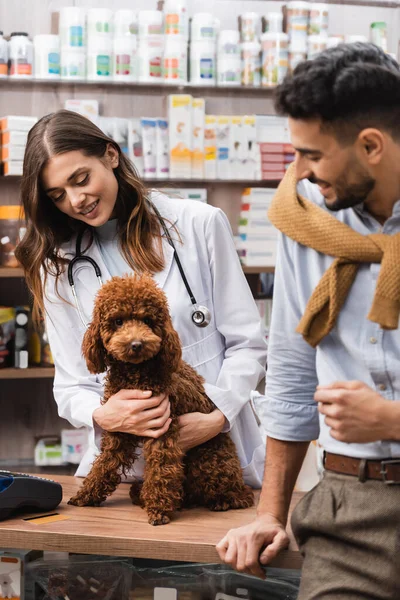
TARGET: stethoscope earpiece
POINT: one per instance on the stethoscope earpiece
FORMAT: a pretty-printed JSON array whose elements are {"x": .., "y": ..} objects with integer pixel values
[{"x": 201, "y": 316}]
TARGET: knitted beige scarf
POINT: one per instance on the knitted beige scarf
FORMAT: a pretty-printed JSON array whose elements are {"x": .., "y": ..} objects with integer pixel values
[{"x": 310, "y": 225}]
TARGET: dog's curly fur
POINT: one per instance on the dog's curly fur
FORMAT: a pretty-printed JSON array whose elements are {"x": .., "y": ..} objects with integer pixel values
[{"x": 131, "y": 335}]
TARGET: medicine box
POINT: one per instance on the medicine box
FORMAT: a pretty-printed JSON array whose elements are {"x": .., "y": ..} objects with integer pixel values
[
  {"x": 180, "y": 135},
  {"x": 198, "y": 117}
]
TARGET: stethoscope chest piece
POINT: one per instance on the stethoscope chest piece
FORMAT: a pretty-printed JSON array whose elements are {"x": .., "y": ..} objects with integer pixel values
[{"x": 201, "y": 316}]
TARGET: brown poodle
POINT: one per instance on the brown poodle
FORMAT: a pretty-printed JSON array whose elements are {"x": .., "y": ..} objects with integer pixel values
[{"x": 131, "y": 335}]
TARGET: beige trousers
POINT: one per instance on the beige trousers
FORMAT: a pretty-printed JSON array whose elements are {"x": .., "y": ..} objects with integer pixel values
[{"x": 348, "y": 533}]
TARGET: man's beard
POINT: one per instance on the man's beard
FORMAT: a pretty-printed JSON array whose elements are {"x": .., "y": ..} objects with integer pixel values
[{"x": 348, "y": 194}]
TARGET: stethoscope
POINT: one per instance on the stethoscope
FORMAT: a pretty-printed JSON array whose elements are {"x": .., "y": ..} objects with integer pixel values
[{"x": 200, "y": 315}]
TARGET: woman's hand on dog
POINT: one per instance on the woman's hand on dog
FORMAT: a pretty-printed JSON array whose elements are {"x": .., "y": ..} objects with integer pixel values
[
  {"x": 197, "y": 428},
  {"x": 136, "y": 412}
]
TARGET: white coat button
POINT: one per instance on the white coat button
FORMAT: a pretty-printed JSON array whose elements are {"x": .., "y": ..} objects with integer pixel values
[{"x": 372, "y": 340}]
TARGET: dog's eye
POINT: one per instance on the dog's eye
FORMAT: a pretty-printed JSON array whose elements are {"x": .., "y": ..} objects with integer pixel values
[
  {"x": 118, "y": 322},
  {"x": 147, "y": 321}
]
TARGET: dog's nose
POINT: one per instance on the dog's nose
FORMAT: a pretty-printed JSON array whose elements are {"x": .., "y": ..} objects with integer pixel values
[{"x": 136, "y": 346}]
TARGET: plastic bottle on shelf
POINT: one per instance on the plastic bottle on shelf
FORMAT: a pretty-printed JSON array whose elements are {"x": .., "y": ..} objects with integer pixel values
[
  {"x": 297, "y": 19},
  {"x": 319, "y": 19},
  {"x": 99, "y": 21},
  {"x": 275, "y": 58},
  {"x": 72, "y": 27},
  {"x": 150, "y": 23},
  {"x": 175, "y": 59},
  {"x": 20, "y": 55},
  {"x": 296, "y": 56},
  {"x": 204, "y": 26},
  {"x": 150, "y": 53},
  {"x": 249, "y": 26},
  {"x": 352, "y": 39},
  {"x": 334, "y": 40},
  {"x": 316, "y": 44},
  {"x": 3, "y": 56},
  {"x": 251, "y": 63},
  {"x": 125, "y": 22},
  {"x": 100, "y": 58},
  {"x": 378, "y": 32},
  {"x": 125, "y": 58},
  {"x": 47, "y": 56},
  {"x": 203, "y": 62},
  {"x": 73, "y": 64},
  {"x": 273, "y": 22},
  {"x": 176, "y": 18},
  {"x": 228, "y": 58}
]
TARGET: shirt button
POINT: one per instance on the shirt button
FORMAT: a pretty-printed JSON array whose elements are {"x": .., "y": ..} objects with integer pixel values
[
  {"x": 373, "y": 340},
  {"x": 382, "y": 387}
]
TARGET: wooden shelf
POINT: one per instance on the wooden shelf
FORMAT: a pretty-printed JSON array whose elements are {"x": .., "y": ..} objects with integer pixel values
[
  {"x": 31, "y": 373},
  {"x": 257, "y": 270},
  {"x": 171, "y": 183},
  {"x": 18, "y": 272},
  {"x": 144, "y": 88},
  {"x": 8, "y": 272}
]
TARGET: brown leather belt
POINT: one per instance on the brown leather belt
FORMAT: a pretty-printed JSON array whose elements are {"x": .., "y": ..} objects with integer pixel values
[{"x": 386, "y": 470}]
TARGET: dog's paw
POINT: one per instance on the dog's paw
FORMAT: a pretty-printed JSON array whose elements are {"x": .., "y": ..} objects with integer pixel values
[
  {"x": 81, "y": 500},
  {"x": 158, "y": 519}
]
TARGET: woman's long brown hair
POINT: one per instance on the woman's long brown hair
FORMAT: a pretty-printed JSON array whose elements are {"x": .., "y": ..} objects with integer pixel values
[{"x": 48, "y": 228}]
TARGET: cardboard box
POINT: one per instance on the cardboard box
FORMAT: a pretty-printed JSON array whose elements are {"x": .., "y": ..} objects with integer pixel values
[
  {"x": 223, "y": 147},
  {"x": 12, "y": 152},
  {"x": 149, "y": 140},
  {"x": 135, "y": 145},
  {"x": 12, "y": 167},
  {"x": 210, "y": 147},
  {"x": 237, "y": 148},
  {"x": 180, "y": 135},
  {"x": 87, "y": 108},
  {"x": 16, "y": 138},
  {"x": 198, "y": 117},
  {"x": 17, "y": 123},
  {"x": 162, "y": 149},
  {"x": 13, "y": 565}
]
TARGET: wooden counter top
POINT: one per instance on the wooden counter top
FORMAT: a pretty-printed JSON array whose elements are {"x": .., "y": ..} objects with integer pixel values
[{"x": 118, "y": 528}]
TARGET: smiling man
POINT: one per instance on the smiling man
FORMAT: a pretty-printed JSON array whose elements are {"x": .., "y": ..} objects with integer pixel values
[{"x": 334, "y": 351}]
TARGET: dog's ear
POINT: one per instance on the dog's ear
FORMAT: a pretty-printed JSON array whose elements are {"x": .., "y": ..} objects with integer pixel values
[
  {"x": 92, "y": 347},
  {"x": 171, "y": 353}
]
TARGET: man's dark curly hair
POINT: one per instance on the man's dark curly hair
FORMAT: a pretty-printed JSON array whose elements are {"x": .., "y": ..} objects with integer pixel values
[{"x": 350, "y": 87}]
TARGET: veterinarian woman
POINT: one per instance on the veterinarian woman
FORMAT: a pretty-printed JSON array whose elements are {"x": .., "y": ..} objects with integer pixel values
[{"x": 77, "y": 181}]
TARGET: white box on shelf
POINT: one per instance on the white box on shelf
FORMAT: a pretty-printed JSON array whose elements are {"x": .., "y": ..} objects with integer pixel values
[
  {"x": 223, "y": 147},
  {"x": 87, "y": 108},
  {"x": 135, "y": 145},
  {"x": 162, "y": 147},
  {"x": 12, "y": 167},
  {"x": 12, "y": 152},
  {"x": 149, "y": 137},
  {"x": 48, "y": 452},
  {"x": 198, "y": 118},
  {"x": 180, "y": 135},
  {"x": 255, "y": 195},
  {"x": 253, "y": 156},
  {"x": 13, "y": 568},
  {"x": 210, "y": 147},
  {"x": 237, "y": 148},
  {"x": 17, "y": 138},
  {"x": 11, "y": 122},
  {"x": 74, "y": 443},
  {"x": 272, "y": 129}
]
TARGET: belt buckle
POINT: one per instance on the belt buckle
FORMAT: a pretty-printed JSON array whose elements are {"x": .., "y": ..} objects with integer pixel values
[{"x": 383, "y": 471}]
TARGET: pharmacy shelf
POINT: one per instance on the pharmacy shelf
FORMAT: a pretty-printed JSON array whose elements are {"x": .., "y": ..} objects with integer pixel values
[
  {"x": 30, "y": 373},
  {"x": 171, "y": 183},
  {"x": 257, "y": 270},
  {"x": 6, "y": 272},
  {"x": 11, "y": 272},
  {"x": 146, "y": 88}
]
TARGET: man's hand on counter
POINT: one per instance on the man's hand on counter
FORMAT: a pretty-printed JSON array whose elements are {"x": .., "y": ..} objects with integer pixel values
[{"x": 246, "y": 547}]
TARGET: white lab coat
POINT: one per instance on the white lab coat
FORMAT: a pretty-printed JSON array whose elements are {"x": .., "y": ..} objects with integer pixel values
[{"x": 230, "y": 353}]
